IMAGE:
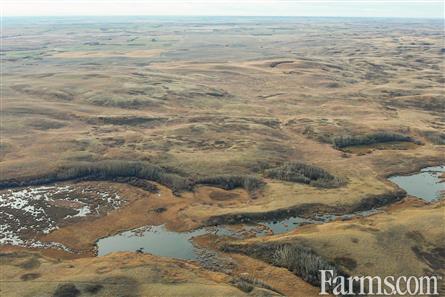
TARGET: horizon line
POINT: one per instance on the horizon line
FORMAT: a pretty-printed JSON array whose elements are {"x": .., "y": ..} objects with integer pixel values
[{"x": 232, "y": 16}]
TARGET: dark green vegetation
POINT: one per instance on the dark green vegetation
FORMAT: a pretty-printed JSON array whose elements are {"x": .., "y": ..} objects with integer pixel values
[
  {"x": 126, "y": 120},
  {"x": 137, "y": 174},
  {"x": 371, "y": 138},
  {"x": 66, "y": 290},
  {"x": 137, "y": 182},
  {"x": 306, "y": 174},
  {"x": 229, "y": 182},
  {"x": 344, "y": 135},
  {"x": 110, "y": 170}
]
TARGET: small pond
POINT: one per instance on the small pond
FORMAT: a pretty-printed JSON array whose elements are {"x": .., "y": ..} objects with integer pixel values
[
  {"x": 157, "y": 240},
  {"x": 426, "y": 184}
]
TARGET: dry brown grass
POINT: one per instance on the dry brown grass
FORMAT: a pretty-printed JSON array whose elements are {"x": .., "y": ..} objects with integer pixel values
[
  {"x": 117, "y": 274},
  {"x": 108, "y": 54},
  {"x": 407, "y": 239},
  {"x": 231, "y": 103}
]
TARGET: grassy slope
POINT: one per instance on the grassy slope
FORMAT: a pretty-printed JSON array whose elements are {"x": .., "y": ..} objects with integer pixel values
[
  {"x": 122, "y": 273},
  {"x": 225, "y": 104},
  {"x": 405, "y": 240}
]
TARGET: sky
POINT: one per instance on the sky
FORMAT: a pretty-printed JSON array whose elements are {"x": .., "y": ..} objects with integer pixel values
[{"x": 342, "y": 8}]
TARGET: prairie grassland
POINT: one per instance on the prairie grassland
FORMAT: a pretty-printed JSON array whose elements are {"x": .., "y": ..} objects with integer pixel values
[
  {"x": 127, "y": 274},
  {"x": 407, "y": 239},
  {"x": 215, "y": 106}
]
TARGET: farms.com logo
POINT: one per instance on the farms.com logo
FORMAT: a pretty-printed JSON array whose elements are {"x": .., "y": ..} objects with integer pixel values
[{"x": 376, "y": 285}]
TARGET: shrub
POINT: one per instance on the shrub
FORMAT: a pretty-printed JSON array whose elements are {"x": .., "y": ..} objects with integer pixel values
[
  {"x": 117, "y": 168},
  {"x": 93, "y": 288},
  {"x": 243, "y": 285},
  {"x": 139, "y": 183},
  {"x": 122, "y": 102},
  {"x": 435, "y": 137},
  {"x": 137, "y": 174},
  {"x": 378, "y": 137},
  {"x": 124, "y": 120},
  {"x": 229, "y": 182},
  {"x": 306, "y": 174},
  {"x": 110, "y": 170},
  {"x": 300, "y": 260},
  {"x": 246, "y": 283},
  {"x": 66, "y": 290}
]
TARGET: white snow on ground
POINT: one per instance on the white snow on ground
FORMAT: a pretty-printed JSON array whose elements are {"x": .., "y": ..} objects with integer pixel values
[
  {"x": 46, "y": 245},
  {"x": 83, "y": 211},
  {"x": 31, "y": 211},
  {"x": 8, "y": 237}
]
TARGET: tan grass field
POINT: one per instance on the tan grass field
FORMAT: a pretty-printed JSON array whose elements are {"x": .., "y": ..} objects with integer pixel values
[
  {"x": 108, "y": 54},
  {"x": 209, "y": 99}
]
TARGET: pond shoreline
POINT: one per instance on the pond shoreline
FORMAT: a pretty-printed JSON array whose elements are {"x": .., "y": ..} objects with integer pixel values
[
  {"x": 290, "y": 218},
  {"x": 315, "y": 213},
  {"x": 309, "y": 210}
]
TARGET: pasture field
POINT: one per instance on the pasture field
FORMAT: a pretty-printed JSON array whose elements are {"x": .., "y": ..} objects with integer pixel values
[{"x": 193, "y": 122}]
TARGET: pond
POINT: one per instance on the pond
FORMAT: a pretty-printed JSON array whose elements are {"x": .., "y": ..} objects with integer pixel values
[
  {"x": 157, "y": 240},
  {"x": 426, "y": 184}
]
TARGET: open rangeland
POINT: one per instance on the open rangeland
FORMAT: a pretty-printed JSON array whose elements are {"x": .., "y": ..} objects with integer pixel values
[{"x": 109, "y": 125}]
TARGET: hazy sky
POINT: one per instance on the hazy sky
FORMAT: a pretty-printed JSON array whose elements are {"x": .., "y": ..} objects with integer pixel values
[{"x": 357, "y": 8}]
